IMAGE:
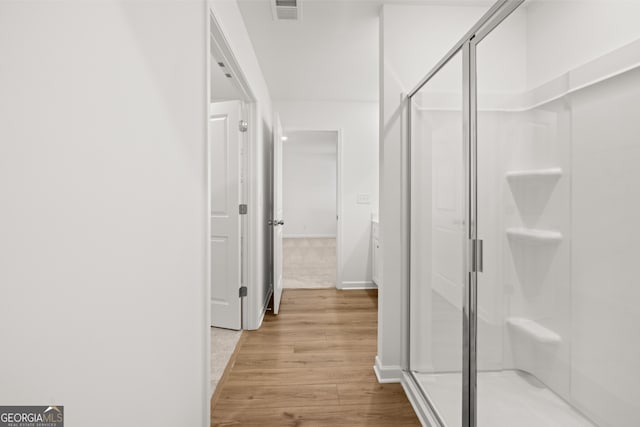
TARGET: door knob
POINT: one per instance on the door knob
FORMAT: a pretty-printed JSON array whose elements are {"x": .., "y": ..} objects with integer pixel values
[{"x": 281, "y": 222}]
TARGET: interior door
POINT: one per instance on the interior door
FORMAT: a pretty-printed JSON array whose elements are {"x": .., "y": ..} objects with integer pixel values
[
  {"x": 225, "y": 139},
  {"x": 277, "y": 216}
]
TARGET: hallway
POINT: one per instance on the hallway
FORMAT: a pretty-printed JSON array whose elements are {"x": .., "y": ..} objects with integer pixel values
[{"x": 311, "y": 365}]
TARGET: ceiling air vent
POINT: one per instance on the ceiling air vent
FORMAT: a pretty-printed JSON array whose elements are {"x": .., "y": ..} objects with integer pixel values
[{"x": 285, "y": 9}]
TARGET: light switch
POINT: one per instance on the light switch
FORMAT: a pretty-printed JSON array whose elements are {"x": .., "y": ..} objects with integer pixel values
[{"x": 363, "y": 198}]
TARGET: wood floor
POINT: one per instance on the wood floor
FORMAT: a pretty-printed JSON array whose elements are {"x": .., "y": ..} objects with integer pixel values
[{"x": 311, "y": 365}]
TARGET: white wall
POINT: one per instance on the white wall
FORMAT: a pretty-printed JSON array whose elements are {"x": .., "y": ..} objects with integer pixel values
[
  {"x": 405, "y": 31},
  {"x": 103, "y": 222},
  {"x": 358, "y": 122},
  {"x": 605, "y": 346},
  {"x": 602, "y": 173},
  {"x": 552, "y": 50},
  {"x": 227, "y": 15},
  {"x": 309, "y": 184}
]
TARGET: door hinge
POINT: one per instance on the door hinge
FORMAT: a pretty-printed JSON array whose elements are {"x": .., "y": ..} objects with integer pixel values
[
  {"x": 243, "y": 125},
  {"x": 243, "y": 291},
  {"x": 243, "y": 209},
  {"x": 476, "y": 256}
]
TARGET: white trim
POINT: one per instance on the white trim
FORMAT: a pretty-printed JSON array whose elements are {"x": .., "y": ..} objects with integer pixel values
[
  {"x": 339, "y": 213},
  {"x": 244, "y": 219},
  {"x": 387, "y": 374},
  {"x": 427, "y": 419},
  {"x": 207, "y": 237},
  {"x": 310, "y": 236},
  {"x": 254, "y": 302},
  {"x": 364, "y": 284},
  {"x": 252, "y": 219}
]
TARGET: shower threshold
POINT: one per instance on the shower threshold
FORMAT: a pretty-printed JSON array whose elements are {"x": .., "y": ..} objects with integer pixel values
[{"x": 505, "y": 399}]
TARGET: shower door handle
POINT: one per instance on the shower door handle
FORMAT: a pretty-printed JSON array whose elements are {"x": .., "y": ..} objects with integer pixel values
[{"x": 476, "y": 256}]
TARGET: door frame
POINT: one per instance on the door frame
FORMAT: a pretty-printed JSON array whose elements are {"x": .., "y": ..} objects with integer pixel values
[
  {"x": 217, "y": 42},
  {"x": 276, "y": 213},
  {"x": 339, "y": 213}
]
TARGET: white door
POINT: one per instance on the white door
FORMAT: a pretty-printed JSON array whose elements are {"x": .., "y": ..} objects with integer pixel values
[
  {"x": 225, "y": 141},
  {"x": 277, "y": 216}
]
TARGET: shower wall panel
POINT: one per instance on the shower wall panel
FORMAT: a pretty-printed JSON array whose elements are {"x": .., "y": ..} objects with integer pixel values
[{"x": 605, "y": 288}]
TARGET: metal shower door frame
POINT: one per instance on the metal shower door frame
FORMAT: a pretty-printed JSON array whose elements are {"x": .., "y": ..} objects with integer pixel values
[{"x": 472, "y": 262}]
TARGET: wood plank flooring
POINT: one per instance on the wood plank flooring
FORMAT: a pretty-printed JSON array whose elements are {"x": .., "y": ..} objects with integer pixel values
[{"x": 311, "y": 365}]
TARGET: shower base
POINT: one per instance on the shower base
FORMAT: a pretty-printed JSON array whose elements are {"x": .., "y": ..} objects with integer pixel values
[{"x": 505, "y": 399}]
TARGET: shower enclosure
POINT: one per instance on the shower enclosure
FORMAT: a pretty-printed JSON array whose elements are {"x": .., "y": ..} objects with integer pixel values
[{"x": 524, "y": 199}]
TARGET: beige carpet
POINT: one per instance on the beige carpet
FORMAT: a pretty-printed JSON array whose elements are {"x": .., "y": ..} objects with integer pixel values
[
  {"x": 309, "y": 263},
  {"x": 223, "y": 343}
]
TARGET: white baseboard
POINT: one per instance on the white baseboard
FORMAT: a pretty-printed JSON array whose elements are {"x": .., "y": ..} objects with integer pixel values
[
  {"x": 358, "y": 285},
  {"x": 387, "y": 374},
  {"x": 421, "y": 408},
  {"x": 308, "y": 236}
]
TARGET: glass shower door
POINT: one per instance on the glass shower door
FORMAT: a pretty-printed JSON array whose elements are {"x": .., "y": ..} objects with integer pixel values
[
  {"x": 438, "y": 241},
  {"x": 543, "y": 334},
  {"x": 557, "y": 174},
  {"x": 523, "y": 219}
]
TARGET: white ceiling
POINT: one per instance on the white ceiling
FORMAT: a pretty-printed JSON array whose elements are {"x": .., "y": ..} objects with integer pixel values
[{"x": 330, "y": 54}]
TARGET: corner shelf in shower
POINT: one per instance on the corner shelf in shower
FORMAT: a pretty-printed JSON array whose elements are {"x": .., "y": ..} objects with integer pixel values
[
  {"x": 531, "y": 235},
  {"x": 533, "y": 329},
  {"x": 522, "y": 175}
]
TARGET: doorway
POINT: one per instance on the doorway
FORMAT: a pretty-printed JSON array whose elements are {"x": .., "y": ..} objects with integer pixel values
[
  {"x": 311, "y": 206},
  {"x": 230, "y": 118},
  {"x": 228, "y": 127}
]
